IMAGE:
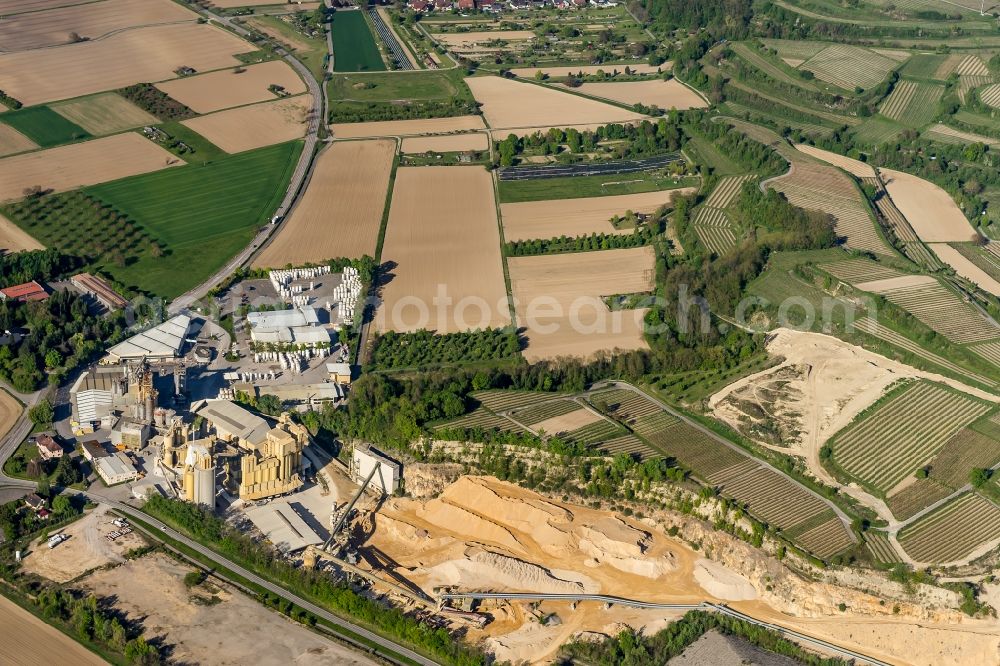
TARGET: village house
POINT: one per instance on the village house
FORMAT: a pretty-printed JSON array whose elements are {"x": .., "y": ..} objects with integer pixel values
[{"x": 48, "y": 448}]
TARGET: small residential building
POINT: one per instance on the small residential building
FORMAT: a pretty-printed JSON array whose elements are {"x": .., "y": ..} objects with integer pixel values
[
  {"x": 419, "y": 5},
  {"x": 22, "y": 293},
  {"x": 99, "y": 289},
  {"x": 48, "y": 448},
  {"x": 92, "y": 450},
  {"x": 35, "y": 502},
  {"x": 442, "y": 4},
  {"x": 339, "y": 372},
  {"x": 365, "y": 458},
  {"x": 466, "y": 4},
  {"x": 115, "y": 469}
]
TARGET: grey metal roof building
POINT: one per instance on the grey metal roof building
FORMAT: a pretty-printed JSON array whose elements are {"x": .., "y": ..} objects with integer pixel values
[{"x": 160, "y": 342}]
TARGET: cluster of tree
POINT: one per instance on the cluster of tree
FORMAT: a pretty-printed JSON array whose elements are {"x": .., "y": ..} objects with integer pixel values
[
  {"x": 641, "y": 236},
  {"x": 9, "y": 101},
  {"x": 775, "y": 21},
  {"x": 625, "y": 141},
  {"x": 17, "y": 521},
  {"x": 750, "y": 154},
  {"x": 50, "y": 264},
  {"x": 203, "y": 525},
  {"x": 727, "y": 18},
  {"x": 265, "y": 404},
  {"x": 356, "y": 112},
  {"x": 150, "y": 98},
  {"x": 423, "y": 348},
  {"x": 779, "y": 224}
]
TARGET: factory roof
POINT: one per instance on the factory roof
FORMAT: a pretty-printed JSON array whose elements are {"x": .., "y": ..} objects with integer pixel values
[
  {"x": 284, "y": 527},
  {"x": 231, "y": 418},
  {"x": 115, "y": 466},
  {"x": 165, "y": 340},
  {"x": 299, "y": 393},
  {"x": 339, "y": 368},
  {"x": 301, "y": 316}
]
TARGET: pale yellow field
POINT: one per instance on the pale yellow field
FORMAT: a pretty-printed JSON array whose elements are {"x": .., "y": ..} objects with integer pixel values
[
  {"x": 12, "y": 141},
  {"x": 558, "y": 299},
  {"x": 848, "y": 164},
  {"x": 14, "y": 239},
  {"x": 510, "y": 104},
  {"x": 226, "y": 4},
  {"x": 638, "y": 68},
  {"x": 341, "y": 211},
  {"x": 92, "y": 21},
  {"x": 132, "y": 56},
  {"x": 81, "y": 164},
  {"x": 106, "y": 113},
  {"x": 444, "y": 247},
  {"x": 966, "y": 268},
  {"x": 447, "y": 143},
  {"x": 255, "y": 126},
  {"x": 567, "y": 422},
  {"x": 9, "y": 7},
  {"x": 670, "y": 94},
  {"x": 227, "y": 88},
  {"x": 27, "y": 641},
  {"x": 577, "y": 217},
  {"x": 10, "y": 409},
  {"x": 933, "y": 214},
  {"x": 406, "y": 127}
]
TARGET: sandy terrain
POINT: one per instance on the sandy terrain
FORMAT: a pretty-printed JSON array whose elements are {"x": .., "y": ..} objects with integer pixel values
[
  {"x": 27, "y": 641},
  {"x": 227, "y": 88},
  {"x": 567, "y": 422},
  {"x": 14, "y": 239},
  {"x": 255, "y": 126},
  {"x": 930, "y": 210},
  {"x": 341, "y": 211},
  {"x": 406, "y": 127},
  {"x": 638, "y": 68},
  {"x": 80, "y": 164},
  {"x": 152, "y": 588},
  {"x": 92, "y": 21},
  {"x": 446, "y": 144},
  {"x": 558, "y": 299},
  {"x": 119, "y": 60},
  {"x": 670, "y": 94},
  {"x": 508, "y": 104},
  {"x": 965, "y": 268},
  {"x": 12, "y": 141},
  {"x": 103, "y": 114},
  {"x": 851, "y": 166},
  {"x": 577, "y": 217},
  {"x": 722, "y": 583},
  {"x": 443, "y": 238}
]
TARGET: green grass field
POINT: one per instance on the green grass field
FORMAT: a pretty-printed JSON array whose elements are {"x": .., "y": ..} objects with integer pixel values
[
  {"x": 922, "y": 65},
  {"x": 204, "y": 150},
  {"x": 44, "y": 126},
  {"x": 425, "y": 85},
  {"x": 354, "y": 47},
  {"x": 203, "y": 215},
  {"x": 572, "y": 187},
  {"x": 702, "y": 151},
  {"x": 877, "y": 130}
]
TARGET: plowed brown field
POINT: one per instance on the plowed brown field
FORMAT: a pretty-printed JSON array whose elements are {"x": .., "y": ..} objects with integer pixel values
[
  {"x": 227, "y": 88},
  {"x": 12, "y": 141},
  {"x": 445, "y": 144},
  {"x": 341, "y": 211},
  {"x": 27, "y": 641},
  {"x": 670, "y": 94},
  {"x": 255, "y": 126}
]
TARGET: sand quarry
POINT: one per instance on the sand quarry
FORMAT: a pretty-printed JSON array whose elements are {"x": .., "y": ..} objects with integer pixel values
[
  {"x": 578, "y": 217},
  {"x": 558, "y": 298},
  {"x": 255, "y": 126},
  {"x": 931, "y": 211},
  {"x": 511, "y": 104},
  {"x": 233, "y": 87},
  {"x": 670, "y": 94},
  {"x": 446, "y": 144},
  {"x": 341, "y": 211},
  {"x": 406, "y": 127},
  {"x": 27, "y": 641},
  {"x": 443, "y": 246},
  {"x": 81, "y": 164}
]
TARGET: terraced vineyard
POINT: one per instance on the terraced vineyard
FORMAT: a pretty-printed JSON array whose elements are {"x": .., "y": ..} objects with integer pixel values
[
  {"x": 718, "y": 240},
  {"x": 989, "y": 351},
  {"x": 625, "y": 405},
  {"x": 953, "y": 532},
  {"x": 912, "y": 104},
  {"x": 595, "y": 433},
  {"x": 991, "y": 96},
  {"x": 826, "y": 539},
  {"x": 900, "y": 227},
  {"x": 949, "y": 135},
  {"x": 726, "y": 191},
  {"x": 849, "y": 66},
  {"x": 943, "y": 311},
  {"x": 771, "y": 69},
  {"x": 629, "y": 444},
  {"x": 711, "y": 224},
  {"x": 918, "y": 253},
  {"x": 902, "y": 433},
  {"x": 853, "y": 271},
  {"x": 499, "y": 400},
  {"x": 483, "y": 419},
  {"x": 967, "y": 83},
  {"x": 878, "y": 546},
  {"x": 531, "y": 415},
  {"x": 916, "y": 497}
]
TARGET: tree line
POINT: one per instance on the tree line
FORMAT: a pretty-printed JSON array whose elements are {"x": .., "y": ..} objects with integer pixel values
[
  {"x": 639, "y": 237},
  {"x": 422, "y": 348}
]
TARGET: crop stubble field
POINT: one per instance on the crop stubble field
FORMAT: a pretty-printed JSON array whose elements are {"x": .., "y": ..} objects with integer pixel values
[
  {"x": 255, "y": 126},
  {"x": 406, "y": 127},
  {"x": 670, "y": 94},
  {"x": 231, "y": 87},
  {"x": 930, "y": 210},
  {"x": 341, "y": 211},
  {"x": 477, "y": 141},
  {"x": 443, "y": 233},
  {"x": 12, "y": 141},
  {"x": 106, "y": 113},
  {"x": 28, "y": 641}
]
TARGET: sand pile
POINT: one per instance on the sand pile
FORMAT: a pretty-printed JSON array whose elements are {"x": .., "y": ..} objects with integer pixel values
[
  {"x": 485, "y": 570},
  {"x": 723, "y": 583},
  {"x": 449, "y": 516}
]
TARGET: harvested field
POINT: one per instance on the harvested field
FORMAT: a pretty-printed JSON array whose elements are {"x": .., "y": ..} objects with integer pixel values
[
  {"x": 340, "y": 213},
  {"x": 92, "y": 21},
  {"x": 443, "y": 235},
  {"x": 231, "y": 87},
  {"x": 80, "y": 164},
  {"x": 12, "y": 141},
  {"x": 933, "y": 214},
  {"x": 853, "y": 271},
  {"x": 559, "y": 425},
  {"x": 120, "y": 60},
  {"x": 558, "y": 299},
  {"x": 852, "y": 166},
  {"x": 14, "y": 239},
  {"x": 889, "y": 444},
  {"x": 954, "y": 532},
  {"x": 667, "y": 95},
  {"x": 950, "y": 135},
  {"x": 446, "y": 144},
  {"x": 11, "y": 7},
  {"x": 912, "y": 104},
  {"x": 255, "y": 126},
  {"x": 407, "y": 127},
  {"x": 28, "y": 641},
  {"x": 944, "y": 311},
  {"x": 104, "y": 114},
  {"x": 511, "y": 104},
  {"x": 578, "y": 217},
  {"x": 966, "y": 268},
  {"x": 10, "y": 410},
  {"x": 849, "y": 66},
  {"x": 555, "y": 72}
]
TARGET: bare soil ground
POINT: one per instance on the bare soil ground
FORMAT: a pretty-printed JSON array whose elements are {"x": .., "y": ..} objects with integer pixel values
[
  {"x": 104, "y": 114},
  {"x": 10, "y": 7},
  {"x": 10, "y": 410},
  {"x": 152, "y": 588},
  {"x": 227, "y": 88},
  {"x": 255, "y": 126},
  {"x": 27, "y": 641},
  {"x": 670, "y": 94},
  {"x": 341, "y": 211},
  {"x": 558, "y": 299},
  {"x": 12, "y": 141},
  {"x": 931, "y": 211},
  {"x": 119, "y": 60},
  {"x": 13, "y": 239},
  {"x": 406, "y": 127},
  {"x": 443, "y": 236},
  {"x": 638, "y": 68},
  {"x": 850, "y": 165},
  {"x": 91, "y": 21},
  {"x": 510, "y": 104},
  {"x": 567, "y": 422},
  {"x": 965, "y": 268},
  {"x": 576, "y": 217},
  {"x": 446, "y": 144},
  {"x": 80, "y": 164}
]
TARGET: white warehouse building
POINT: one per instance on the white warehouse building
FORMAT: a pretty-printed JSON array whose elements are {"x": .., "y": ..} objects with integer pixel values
[{"x": 298, "y": 326}]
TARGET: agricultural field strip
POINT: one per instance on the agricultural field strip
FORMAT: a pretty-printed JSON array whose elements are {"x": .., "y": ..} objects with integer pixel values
[
  {"x": 917, "y": 497},
  {"x": 991, "y": 96},
  {"x": 629, "y": 444},
  {"x": 717, "y": 240},
  {"x": 900, "y": 227},
  {"x": 989, "y": 351},
  {"x": 826, "y": 539},
  {"x": 726, "y": 191},
  {"x": 535, "y": 414},
  {"x": 849, "y": 66},
  {"x": 889, "y": 444},
  {"x": 774, "y": 498},
  {"x": 711, "y": 217},
  {"x": 859, "y": 270},
  {"x": 919, "y": 254},
  {"x": 952, "y": 532},
  {"x": 895, "y": 104},
  {"x": 881, "y": 548},
  {"x": 775, "y": 72},
  {"x": 969, "y": 449},
  {"x": 944, "y": 134},
  {"x": 945, "y": 312}
]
